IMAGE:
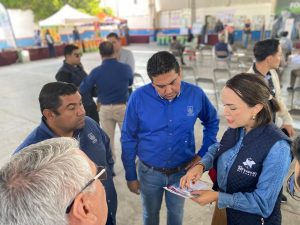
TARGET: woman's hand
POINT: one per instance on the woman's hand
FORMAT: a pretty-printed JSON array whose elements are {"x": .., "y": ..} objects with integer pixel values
[
  {"x": 205, "y": 197},
  {"x": 191, "y": 176}
]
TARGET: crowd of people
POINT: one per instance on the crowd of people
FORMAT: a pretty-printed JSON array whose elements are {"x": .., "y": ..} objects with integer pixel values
[{"x": 62, "y": 173}]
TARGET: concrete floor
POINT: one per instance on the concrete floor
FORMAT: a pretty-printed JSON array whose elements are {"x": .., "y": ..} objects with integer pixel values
[{"x": 19, "y": 114}]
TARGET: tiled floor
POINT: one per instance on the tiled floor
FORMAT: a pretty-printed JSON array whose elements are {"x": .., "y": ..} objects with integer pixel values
[{"x": 19, "y": 114}]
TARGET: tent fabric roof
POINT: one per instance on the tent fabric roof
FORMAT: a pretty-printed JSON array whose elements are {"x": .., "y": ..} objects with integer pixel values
[
  {"x": 67, "y": 15},
  {"x": 105, "y": 19}
]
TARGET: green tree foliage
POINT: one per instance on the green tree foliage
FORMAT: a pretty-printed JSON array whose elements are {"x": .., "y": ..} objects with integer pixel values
[{"x": 43, "y": 9}]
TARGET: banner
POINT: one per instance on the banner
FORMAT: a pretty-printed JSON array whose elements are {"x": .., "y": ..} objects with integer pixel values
[{"x": 6, "y": 31}]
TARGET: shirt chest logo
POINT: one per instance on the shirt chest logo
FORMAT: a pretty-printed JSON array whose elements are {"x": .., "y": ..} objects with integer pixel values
[
  {"x": 246, "y": 168},
  {"x": 249, "y": 163},
  {"x": 190, "y": 111},
  {"x": 92, "y": 138}
]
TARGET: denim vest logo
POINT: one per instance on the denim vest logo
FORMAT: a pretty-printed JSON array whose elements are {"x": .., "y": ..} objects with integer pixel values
[
  {"x": 92, "y": 138},
  {"x": 248, "y": 166},
  {"x": 190, "y": 111}
]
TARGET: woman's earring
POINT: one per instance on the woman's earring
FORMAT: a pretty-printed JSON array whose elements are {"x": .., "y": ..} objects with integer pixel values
[{"x": 253, "y": 117}]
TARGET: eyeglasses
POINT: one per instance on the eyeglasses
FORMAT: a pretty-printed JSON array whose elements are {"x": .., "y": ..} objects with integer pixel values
[
  {"x": 290, "y": 187},
  {"x": 101, "y": 175}
]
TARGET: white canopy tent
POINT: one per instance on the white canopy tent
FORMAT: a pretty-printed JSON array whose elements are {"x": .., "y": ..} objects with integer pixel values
[{"x": 67, "y": 15}]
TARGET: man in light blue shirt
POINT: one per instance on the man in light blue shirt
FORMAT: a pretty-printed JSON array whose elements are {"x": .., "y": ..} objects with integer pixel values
[{"x": 159, "y": 129}]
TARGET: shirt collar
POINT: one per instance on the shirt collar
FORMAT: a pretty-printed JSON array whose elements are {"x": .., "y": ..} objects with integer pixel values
[{"x": 259, "y": 73}]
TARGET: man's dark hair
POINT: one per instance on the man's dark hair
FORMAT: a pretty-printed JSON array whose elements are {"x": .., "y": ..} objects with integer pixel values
[
  {"x": 284, "y": 33},
  {"x": 106, "y": 49},
  {"x": 296, "y": 148},
  {"x": 160, "y": 63},
  {"x": 112, "y": 35},
  {"x": 265, "y": 48},
  {"x": 50, "y": 93},
  {"x": 69, "y": 49}
]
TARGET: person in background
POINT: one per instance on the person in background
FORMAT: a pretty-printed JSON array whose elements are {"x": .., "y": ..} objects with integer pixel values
[
  {"x": 222, "y": 49},
  {"x": 247, "y": 33},
  {"x": 230, "y": 33},
  {"x": 286, "y": 45},
  {"x": 219, "y": 27},
  {"x": 73, "y": 72},
  {"x": 37, "y": 38},
  {"x": 252, "y": 154},
  {"x": 112, "y": 80},
  {"x": 76, "y": 35},
  {"x": 267, "y": 55},
  {"x": 191, "y": 45},
  {"x": 52, "y": 182},
  {"x": 50, "y": 44},
  {"x": 123, "y": 55},
  {"x": 177, "y": 49},
  {"x": 63, "y": 115},
  {"x": 159, "y": 130},
  {"x": 293, "y": 76}
]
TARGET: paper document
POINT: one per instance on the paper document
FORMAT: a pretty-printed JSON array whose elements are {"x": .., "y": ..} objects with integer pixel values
[{"x": 186, "y": 192}]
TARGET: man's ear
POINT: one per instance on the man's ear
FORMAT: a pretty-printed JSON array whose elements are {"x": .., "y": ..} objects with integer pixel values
[
  {"x": 48, "y": 114},
  {"x": 82, "y": 210}
]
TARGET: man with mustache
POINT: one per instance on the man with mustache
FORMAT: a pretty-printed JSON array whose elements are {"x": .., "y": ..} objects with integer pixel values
[{"x": 63, "y": 115}]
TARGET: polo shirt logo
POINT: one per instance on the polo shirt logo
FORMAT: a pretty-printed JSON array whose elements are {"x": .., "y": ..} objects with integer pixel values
[
  {"x": 92, "y": 138},
  {"x": 190, "y": 111},
  {"x": 248, "y": 166}
]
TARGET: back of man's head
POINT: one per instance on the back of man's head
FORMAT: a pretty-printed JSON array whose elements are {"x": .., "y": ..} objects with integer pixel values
[
  {"x": 265, "y": 48},
  {"x": 284, "y": 34},
  {"x": 106, "y": 49},
  {"x": 160, "y": 63},
  {"x": 68, "y": 50},
  {"x": 50, "y": 94},
  {"x": 39, "y": 182},
  {"x": 296, "y": 148},
  {"x": 113, "y": 35}
]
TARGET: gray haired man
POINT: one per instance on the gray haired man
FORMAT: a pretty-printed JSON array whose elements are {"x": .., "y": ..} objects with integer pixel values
[{"x": 50, "y": 183}]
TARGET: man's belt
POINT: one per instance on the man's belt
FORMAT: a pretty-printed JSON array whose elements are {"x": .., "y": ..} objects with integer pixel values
[
  {"x": 114, "y": 104},
  {"x": 167, "y": 171}
]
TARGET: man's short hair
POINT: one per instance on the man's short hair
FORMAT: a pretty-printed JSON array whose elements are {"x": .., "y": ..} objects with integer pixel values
[
  {"x": 106, "y": 49},
  {"x": 50, "y": 94},
  {"x": 296, "y": 148},
  {"x": 265, "y": 48},
  {"x": 68, "y": 50},
  {"x": 112, "y": 35},
  {"x": 160, "y": 63},
  {"x": 284, "y": 33},
  {"x": 39, "y": 182}
]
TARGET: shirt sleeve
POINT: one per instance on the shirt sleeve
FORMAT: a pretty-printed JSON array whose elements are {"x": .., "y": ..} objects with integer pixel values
[
  {"x": 129, "y": 139},
  {"x": 262, "y": 200},
  {"x": 87, "y": 84},
  {"x": 105, "y": 139},
  {"x": 209, "y": 157},
  {"x": 209, "y": 118}
]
